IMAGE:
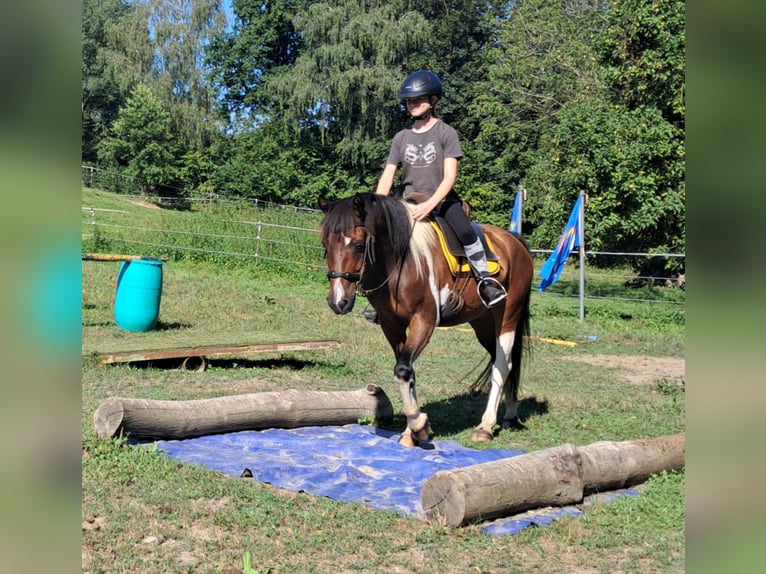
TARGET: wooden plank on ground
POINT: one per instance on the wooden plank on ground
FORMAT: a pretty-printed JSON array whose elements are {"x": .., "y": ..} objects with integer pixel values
[
  {"x": 215, "y": 351},
  {"x": 119, "y": 257}
]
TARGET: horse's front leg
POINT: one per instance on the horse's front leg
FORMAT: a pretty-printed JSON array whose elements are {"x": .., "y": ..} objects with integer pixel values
[{"x": 407, "y": 351}]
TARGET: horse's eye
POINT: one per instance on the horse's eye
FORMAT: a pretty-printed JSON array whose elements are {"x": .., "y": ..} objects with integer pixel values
[{"x": 359, "y": 247}]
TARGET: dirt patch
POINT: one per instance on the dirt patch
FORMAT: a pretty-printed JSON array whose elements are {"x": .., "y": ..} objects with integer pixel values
[
  {"x": 142, "y": 203},
  {"x": 638, "y": 369}
]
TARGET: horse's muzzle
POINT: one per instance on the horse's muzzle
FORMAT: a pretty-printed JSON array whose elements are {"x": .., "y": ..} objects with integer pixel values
[
  {"x": 341, "y": 306},
  {"x": 341, "y": 299}
]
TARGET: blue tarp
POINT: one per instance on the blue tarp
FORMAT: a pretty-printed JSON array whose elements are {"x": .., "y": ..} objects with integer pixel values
[{"x": 352, "y": 463}]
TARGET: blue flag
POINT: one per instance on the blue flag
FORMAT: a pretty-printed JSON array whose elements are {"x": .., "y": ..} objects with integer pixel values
[
  {"x": 570, "y": 239},
  {"x": 514, "y": 224}
]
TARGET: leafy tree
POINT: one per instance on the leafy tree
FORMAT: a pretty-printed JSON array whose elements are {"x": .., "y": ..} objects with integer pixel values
[
  {"x": 643, "y": 52},
  {"x": 541, "y": 59},
  {"x": 625, "y": 146},
  {"x": 345, "y": 77},
  {"x": 141, "y": 142},
  {"x": 272, "y": 163},
  {"x": 102, "y": 93},
  {"x": 627, "y": 161},
  {"x": 263, "y": 38},
  {"x": 180, "y": 33}
]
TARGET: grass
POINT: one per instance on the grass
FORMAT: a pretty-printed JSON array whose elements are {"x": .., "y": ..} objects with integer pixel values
[{"x": 144, "y": 513}]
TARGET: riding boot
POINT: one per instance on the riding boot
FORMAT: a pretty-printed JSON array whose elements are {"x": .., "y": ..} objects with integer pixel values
[
  {"x": 491, "y": 291},
  {"x": 370, "y": 314}
]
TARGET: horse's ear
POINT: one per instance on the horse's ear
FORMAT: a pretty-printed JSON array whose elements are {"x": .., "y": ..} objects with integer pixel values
[
  {"x": 324, "y": 204},
  {"x": 359, "y": 209}
]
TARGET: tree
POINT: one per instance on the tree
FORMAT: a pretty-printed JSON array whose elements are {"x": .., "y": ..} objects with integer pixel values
[
  {"x": 623, "y": 146},
  {"x": 263, "y": 38},
  {"x": 345, "y": 77},
  {"x": 102, "y": 92},
  {"x": 541, "y": 59},
  {"x": 629, "y": 162},
  {"x": 273, "y": 163},
  {"x": 141, "y": 142},
  {"x": 180, "y": 31},
  {"x": 643, "y": 52}
]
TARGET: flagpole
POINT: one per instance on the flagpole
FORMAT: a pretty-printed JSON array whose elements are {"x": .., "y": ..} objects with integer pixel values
[{"x": 581, "y": 240}]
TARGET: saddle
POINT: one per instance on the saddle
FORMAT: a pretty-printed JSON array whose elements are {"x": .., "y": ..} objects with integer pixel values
[{"x": 453, "y": 250}]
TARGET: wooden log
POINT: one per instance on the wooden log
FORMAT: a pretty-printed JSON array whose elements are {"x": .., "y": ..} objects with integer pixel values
[
  {"x": 162, "y": 419},
  {"x": 215, "y": 351},
  {"x": 611, "y": 465},
  {"x": 119, "y": 257},
  {"x": 549, "y": 477}
]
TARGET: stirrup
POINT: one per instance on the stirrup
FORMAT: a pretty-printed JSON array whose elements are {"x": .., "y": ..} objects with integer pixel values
[
  {"x": 492, "y": 283},
  {"x": 370, "y": 314}
]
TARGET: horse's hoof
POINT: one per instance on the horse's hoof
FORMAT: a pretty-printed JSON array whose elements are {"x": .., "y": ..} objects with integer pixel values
[
  {"x": 480, "y": 435},
  {"x": 407, "y": 441},
  {"x": 513, "y": 424},
  {"x": 423, "y": 434}
]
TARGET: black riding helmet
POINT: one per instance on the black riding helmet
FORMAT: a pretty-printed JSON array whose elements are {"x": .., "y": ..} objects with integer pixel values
[{"x": 421, "y": 83}]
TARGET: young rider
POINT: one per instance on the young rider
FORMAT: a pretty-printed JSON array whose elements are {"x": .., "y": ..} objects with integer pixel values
[{"x": 428, "y": 155}]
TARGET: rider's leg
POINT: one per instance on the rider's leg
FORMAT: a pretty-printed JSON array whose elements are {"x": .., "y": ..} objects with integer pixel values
[{"x": 490, "y": 290}]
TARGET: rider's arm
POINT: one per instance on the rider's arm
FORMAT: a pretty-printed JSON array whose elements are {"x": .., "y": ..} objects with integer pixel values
[{"x": 386, "y": 180}]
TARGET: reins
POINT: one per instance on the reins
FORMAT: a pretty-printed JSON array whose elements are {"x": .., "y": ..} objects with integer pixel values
[{"x": 397, "y": 268}]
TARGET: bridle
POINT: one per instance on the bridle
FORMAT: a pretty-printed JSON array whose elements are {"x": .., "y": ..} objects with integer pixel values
[
  {"x": 352, "y": 277},
  {"x": 356, "y": 277}
]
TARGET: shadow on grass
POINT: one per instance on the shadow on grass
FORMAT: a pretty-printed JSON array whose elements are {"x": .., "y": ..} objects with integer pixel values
[
  {"x": 463, "y": 412},
  {"x": 193, "y": 364},
  {"x": 162, "y": 326}
]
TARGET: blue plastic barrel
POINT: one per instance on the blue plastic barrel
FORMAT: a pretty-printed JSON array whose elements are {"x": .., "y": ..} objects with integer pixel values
[{"x": 139, "y": 290}]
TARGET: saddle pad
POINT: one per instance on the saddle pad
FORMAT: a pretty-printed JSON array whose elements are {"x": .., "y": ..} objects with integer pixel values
[{"x": 455, "y": 266}]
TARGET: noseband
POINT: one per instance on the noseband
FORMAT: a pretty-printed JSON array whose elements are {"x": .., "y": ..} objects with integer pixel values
[{"x": 353, "y": 277}]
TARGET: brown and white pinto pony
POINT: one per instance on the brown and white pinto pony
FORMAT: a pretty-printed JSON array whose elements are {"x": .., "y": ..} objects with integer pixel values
[{"x": 375, "y": 247}]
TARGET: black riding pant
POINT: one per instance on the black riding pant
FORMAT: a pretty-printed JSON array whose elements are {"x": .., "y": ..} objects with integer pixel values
[{"x": 451, "y": 209}]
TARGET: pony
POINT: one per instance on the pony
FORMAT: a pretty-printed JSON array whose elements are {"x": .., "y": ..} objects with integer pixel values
[{"x": 375, "y": 248}]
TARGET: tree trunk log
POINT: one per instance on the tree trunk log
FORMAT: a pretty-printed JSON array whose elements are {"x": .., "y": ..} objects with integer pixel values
[
  {"x": 612, "y": 465},
  {"x": 549, "y": 477},
  {"x": 156, "y": 419},
  {"x": 552, "y": 477}
]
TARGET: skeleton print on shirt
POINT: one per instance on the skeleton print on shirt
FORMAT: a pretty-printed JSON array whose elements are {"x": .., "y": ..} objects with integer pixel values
[{"x": 421, "y": 155}]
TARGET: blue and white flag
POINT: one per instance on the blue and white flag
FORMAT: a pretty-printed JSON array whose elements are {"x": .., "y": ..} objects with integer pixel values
[
  {"x": 570, "y": 239},
  {"x": 514, "y": 225}
]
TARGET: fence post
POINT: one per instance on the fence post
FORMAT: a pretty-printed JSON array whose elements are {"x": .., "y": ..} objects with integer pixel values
[{"x": 258, "y": 241}]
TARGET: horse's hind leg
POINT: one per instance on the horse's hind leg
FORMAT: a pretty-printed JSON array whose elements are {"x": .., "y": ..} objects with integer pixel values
[{"x": 499, "y": 349}]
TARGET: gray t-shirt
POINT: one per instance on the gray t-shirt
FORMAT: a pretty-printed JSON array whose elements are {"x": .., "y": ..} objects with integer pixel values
[{"x": 421, "y": 156}]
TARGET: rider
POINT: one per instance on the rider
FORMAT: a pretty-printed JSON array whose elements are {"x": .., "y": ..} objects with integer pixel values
[{"x": 428, "y": 154}]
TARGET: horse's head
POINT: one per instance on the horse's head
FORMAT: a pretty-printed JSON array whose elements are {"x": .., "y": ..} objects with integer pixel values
[{"x": 344, "y": 237}]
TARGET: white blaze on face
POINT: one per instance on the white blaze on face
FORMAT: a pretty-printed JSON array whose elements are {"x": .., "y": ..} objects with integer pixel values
[{"x": 338, "y": 293}]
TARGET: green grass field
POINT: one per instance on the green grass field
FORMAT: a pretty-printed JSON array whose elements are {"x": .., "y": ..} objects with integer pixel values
[{"x": 144, "y": 513}]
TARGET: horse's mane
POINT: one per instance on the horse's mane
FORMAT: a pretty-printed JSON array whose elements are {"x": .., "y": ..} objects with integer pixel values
[{"x": 404, "y": 234}]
